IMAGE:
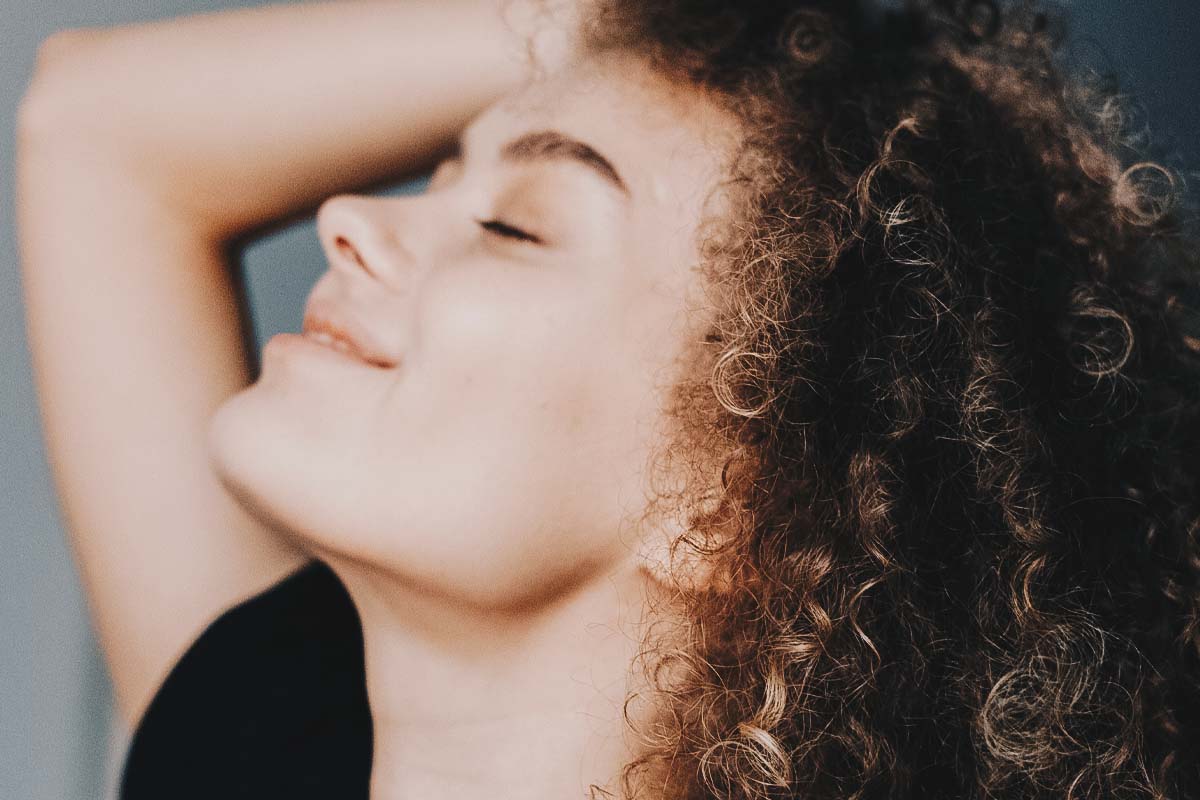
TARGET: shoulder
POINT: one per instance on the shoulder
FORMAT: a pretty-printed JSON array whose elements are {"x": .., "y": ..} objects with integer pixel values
[{"x": 270, "y": 698}]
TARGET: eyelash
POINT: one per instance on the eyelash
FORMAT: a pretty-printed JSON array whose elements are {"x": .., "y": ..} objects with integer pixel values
[{"x": 504, "y": 229}]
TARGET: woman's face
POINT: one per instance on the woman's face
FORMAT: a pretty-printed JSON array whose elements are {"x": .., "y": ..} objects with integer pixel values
[{"x": 503, "y": 458}]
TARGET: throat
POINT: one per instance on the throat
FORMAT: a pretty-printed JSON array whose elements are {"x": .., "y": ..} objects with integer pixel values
[{"x": 527, "y": 706}]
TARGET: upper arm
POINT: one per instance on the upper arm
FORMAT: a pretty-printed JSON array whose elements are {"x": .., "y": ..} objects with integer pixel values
[{"x": 135, "y": 336}]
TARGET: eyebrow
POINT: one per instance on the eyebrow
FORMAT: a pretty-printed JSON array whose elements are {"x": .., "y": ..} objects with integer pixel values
[{"x": 552, "y": 145}]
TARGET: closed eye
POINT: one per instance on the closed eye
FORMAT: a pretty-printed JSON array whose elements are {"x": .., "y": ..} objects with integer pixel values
[{"x": 506, "y": 230}]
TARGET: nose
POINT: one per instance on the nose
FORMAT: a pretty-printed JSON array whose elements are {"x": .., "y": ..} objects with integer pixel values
[{"x": 357, "y": 238}]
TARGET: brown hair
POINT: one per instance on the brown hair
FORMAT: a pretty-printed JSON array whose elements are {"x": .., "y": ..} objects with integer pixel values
[{"x": 954, "y": 392}]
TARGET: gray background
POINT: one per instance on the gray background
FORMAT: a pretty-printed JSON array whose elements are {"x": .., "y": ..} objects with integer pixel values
[{"x": 57, "y": 740}]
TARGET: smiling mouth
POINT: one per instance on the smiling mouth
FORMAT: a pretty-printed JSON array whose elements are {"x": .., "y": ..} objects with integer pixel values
[
  {"x": 345, "y": 337},
  {"x": 327, "y": 339}
]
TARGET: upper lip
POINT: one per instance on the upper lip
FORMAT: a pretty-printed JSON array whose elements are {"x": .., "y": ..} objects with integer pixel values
[{"x": 340, "y": 325}]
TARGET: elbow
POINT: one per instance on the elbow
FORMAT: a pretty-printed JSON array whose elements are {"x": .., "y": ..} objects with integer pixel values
[{"x": 53, "y": 92}]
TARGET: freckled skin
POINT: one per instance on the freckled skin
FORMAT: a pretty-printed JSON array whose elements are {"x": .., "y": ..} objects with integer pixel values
[{"x": 501, "y": 463}]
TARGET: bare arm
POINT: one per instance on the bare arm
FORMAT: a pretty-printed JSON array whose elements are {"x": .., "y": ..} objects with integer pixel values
[{"x": 142, "y": 152}]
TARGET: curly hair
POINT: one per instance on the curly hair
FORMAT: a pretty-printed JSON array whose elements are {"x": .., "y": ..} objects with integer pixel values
[{"x": 953, "y": 388}]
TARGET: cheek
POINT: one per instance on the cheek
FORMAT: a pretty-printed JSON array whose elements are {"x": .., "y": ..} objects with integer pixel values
[
  {"x": 503, "y": 462},
  {"x": 552, "y": 350},
  {"x": 505, "y": 331},
  {"x": 461, "y": 310},
  {"x": 522, "y": 373}
]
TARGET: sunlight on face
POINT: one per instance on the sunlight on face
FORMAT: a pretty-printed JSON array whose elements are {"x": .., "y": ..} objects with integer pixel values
[{"x": 536, "y": 300}]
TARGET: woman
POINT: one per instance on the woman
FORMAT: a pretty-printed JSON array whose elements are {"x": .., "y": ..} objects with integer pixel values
[{"x": 764, "y": 399}]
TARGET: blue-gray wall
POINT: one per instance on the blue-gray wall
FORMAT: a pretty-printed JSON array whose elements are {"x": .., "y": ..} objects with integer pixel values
[{"x": 55, "y": 738}]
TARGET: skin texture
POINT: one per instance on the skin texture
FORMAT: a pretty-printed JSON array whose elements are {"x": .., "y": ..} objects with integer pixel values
[{"x": 482, "y": 499}]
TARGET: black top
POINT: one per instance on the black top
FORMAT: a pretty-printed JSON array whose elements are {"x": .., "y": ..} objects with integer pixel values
[{"x": 270, "y": 701}]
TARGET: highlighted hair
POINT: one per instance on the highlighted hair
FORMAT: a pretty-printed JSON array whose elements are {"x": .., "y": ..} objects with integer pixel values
[{"x": 952, "y": 395}]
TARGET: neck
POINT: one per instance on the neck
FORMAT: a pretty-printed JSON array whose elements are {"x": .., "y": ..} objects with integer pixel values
[{"x": 522, "y": 705}]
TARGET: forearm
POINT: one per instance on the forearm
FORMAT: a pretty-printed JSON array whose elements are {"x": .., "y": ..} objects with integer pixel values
[
  {"x": 246, "y": 116},
  {"x": 140, "y": 150}
]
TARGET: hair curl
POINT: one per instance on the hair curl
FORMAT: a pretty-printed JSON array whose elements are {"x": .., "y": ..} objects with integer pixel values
[{"x": 953, "y": 391}]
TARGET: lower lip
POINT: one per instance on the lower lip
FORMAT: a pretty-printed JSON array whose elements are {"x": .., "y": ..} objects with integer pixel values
[{"x": 297, "y": 343}]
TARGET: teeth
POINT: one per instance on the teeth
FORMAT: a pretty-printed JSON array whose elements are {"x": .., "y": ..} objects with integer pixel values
[
  {"x": 321, "y": 336},
  {"x": 326, "y": 339}
]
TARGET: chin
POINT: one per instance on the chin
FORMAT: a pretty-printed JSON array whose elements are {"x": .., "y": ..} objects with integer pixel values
[
  {"x": 276, "y": 461},
  {"x": 455, "y": 527},
  {"x": 248, "y": 449}
]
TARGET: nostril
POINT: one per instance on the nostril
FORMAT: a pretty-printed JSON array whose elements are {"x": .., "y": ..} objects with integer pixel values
[{"x": 347, "y": 250}]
